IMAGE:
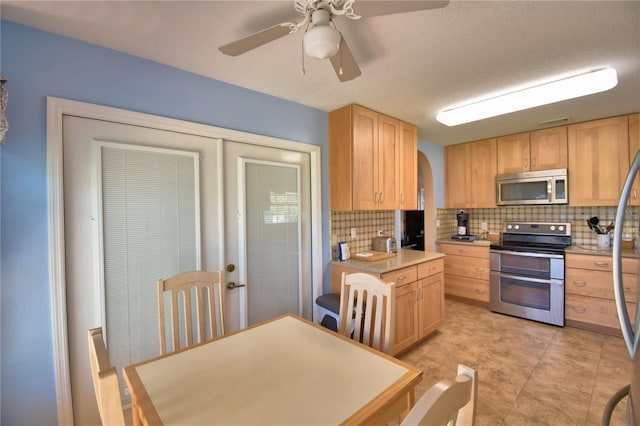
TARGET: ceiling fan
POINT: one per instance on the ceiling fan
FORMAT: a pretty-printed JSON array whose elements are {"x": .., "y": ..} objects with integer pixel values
[{"x": 322, "y": 39}]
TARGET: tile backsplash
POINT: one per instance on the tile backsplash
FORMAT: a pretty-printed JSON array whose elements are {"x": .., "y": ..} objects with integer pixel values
[
  {"x": 367, "y": 225},
  {"x": 577, "y": 216}
]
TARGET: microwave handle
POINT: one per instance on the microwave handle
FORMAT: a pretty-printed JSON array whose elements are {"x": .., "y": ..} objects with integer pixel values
[{"x": 550, "y": 189}]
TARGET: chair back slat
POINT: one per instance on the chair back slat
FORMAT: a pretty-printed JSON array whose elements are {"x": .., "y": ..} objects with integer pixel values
[
  {"x": 448, "y": 402},
  {"x": 197, "y": 309},
  {"x": 367, "y": 310}
]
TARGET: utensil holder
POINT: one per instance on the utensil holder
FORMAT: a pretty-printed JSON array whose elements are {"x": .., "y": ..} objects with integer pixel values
[{"x": 604, "y": 240}]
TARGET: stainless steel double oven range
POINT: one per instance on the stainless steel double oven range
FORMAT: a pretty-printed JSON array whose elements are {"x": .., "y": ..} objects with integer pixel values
[{"x": 527, "y": 271}]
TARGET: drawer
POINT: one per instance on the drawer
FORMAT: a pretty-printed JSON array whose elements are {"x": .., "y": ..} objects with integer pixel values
[
  {"x": 600, "y": 263},
  {"x": 466, "y": 287},
  {"x": 599, "y": 284},
  {"x": 401, "y": 276},
  {"x": 471, "y": 267},
  {"x": 594, "y": 311},
  {"x": 430, "y": 268},
  {"x": 464, "y": 250}
]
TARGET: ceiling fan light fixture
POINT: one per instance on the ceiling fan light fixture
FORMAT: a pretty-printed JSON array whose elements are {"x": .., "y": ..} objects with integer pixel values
[
  {"x": 543, "y": 94},
  {"x": 321, "y": 42}
]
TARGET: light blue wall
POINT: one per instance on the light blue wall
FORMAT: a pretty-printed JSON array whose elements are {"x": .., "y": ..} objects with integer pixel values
[
  {"x": 435, "y": 155},
  {"x": 40, "y": 64}
]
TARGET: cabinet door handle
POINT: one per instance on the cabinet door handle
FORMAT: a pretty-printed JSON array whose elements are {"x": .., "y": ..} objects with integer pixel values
[
  {"x": 526, "y": 162},
  {"x": 579, "y": 283},
  {"x": 381, "y": 197},
  {"x": 533, "y": 162},
  {"x": 635, "y": 193},
  {"x": 601, "y": 264},
  {"x": 402, "y": 198},
  {"x": 579, "y": 309},
  {"x": 376, "y": 198}
]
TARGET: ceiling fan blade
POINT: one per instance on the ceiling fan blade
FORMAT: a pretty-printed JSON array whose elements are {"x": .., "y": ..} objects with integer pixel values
[
  {"x": 246, "y": 44},
  {"x": 367, "y": 8},
  {"x": 344, "y": 63}
]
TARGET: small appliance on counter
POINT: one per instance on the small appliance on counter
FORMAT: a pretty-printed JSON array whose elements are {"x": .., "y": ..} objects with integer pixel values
[
  {"x": 464, "y": 233},
  {"x": 343, "y": 251},
  {"x": 384, "y": 244}
]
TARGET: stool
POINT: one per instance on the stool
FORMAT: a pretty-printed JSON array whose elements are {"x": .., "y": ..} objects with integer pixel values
[{"x": 329, "y": 309}]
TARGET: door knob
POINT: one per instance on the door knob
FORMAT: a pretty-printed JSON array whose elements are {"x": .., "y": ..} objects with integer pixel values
[{"x": 231, "y": 285}]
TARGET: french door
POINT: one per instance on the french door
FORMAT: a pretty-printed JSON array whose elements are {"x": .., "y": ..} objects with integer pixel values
[{"x": 248, "y": 201}]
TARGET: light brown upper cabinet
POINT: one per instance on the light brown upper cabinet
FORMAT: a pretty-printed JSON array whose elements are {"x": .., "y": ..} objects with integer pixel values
[
  {"x": 538, "y": 150},
  {"x": 367, "y": 152},
  {"x": 470, "y": 175},
  {"x": 598, "y": 161},
  {"x": 634, "y": 145},
  {"x": 408, "y": 167}
]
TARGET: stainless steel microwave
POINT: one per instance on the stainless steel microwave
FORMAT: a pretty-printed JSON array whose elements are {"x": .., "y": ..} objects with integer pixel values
[{"x": 540, "y": 187}]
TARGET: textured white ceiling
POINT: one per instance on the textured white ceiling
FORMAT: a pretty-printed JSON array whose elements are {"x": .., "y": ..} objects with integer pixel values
[{"x": 413, "y": 64}]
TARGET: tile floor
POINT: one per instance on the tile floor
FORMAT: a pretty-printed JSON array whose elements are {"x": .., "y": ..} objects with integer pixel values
[{"x": 529, "y": 373}]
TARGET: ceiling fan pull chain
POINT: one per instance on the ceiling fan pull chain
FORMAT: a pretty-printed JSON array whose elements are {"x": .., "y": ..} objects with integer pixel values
[{"x": 302, "y": 53}]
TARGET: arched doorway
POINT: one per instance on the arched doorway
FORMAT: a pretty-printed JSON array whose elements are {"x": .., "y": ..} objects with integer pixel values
[{"x": 425, "y": 187}]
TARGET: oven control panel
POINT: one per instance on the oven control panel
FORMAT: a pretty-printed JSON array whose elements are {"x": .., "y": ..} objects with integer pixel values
[{"x": 537, "y": 228}]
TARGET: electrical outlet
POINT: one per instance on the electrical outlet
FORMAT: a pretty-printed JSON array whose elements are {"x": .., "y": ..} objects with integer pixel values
[
  {"x": 380, "y": 233},
  {"x": 437, "y": 223},
  {"x": 485, "y": 226},
  {"x": 353, "y": 232}
]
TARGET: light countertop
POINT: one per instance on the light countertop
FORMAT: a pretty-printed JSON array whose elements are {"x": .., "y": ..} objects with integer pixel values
[
  {"x": 402, "y": 259},
  {"x": 597, "y": 251},
  {"x": 468, "y": 243}
]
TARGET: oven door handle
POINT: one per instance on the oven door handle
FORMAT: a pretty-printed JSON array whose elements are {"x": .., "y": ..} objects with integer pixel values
[
  {"x": 528, "y": 254},
  {"x": 528, "y": 279}
]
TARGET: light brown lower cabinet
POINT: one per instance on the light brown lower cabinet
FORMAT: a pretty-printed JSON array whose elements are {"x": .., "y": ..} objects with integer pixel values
[
  {"x": 589, "y": 299},
  {"x": 466, "y": 272},
  {"x": 419, "y": 300}
]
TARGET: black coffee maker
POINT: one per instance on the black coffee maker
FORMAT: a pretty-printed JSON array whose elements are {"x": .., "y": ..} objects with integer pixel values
[
  {"x": 463, "y": 223},
  {"x": 463, "y": 233}
]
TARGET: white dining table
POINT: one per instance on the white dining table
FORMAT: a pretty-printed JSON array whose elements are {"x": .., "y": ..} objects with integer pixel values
[{"x": 285, "y": 371}]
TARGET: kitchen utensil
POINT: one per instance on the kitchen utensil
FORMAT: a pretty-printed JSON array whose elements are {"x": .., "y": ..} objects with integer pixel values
[
  {"x": 596, "y": 225},
  {"x": 609, "y": 227},
  {"x": 592, "y": 227}
]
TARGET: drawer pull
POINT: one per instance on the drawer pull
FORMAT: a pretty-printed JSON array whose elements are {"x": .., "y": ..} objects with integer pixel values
[
  {"x": 580, "y": 283},
  {"x": 463, "y": 251},
  {"x": 431, "y": 268},
  {"x": 601, "y": 264},
  {"x": 481, "y": 290},
  {"x": 480, "y": 269},
  {"x": 627, "y": 289},
  {"x": 402, "y": 277},
  {"x": 579, "y": 309}
]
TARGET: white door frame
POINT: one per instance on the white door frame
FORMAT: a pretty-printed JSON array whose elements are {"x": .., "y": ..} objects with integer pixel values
[{"x": 56, "y": 108}]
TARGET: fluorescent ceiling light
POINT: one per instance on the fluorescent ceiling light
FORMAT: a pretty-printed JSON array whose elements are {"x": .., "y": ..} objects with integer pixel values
[{"x": 556, "y": 91}]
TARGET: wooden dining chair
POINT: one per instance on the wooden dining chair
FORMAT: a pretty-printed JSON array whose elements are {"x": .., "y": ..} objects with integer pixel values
[
  {"x": 194, "y": 310},
  {"x": 367, "y": 310},
  {"x": 105, "y": 381},
  {"x": 448, "y": 402}
]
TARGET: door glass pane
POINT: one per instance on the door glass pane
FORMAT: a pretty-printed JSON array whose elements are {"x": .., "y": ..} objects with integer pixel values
[
  {"x": 530, "y": 266},
  {"x": 150, "y": 231},
  {"x": 272, "y": 209},
  {"x": 524, "y": 191},
  {"x": 525, "y": 293}
]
